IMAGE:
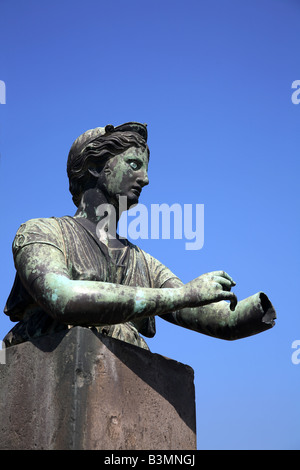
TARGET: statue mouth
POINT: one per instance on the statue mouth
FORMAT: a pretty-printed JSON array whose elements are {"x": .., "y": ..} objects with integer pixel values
[{"x": 137, "y": 190}]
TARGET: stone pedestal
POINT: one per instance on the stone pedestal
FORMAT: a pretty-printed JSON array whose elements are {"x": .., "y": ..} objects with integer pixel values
[{"x": 81, "y": 390}]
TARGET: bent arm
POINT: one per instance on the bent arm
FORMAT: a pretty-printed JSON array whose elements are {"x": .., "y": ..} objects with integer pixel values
[
  {"x": 43, "y": 272},
  {"x": 252, "y": 315}
]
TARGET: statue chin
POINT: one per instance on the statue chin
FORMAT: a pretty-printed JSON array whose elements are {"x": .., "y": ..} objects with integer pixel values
[{"x": 128, "y": 203}]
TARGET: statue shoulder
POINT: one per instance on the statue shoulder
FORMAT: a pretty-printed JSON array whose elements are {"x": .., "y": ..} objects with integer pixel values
[
  {"x": 39, "y": 230},
  {"x": 38, "y": 224}
]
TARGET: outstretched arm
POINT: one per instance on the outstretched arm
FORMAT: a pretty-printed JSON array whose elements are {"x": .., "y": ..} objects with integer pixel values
[
  {"x": 252, "y": 315},
  {"x": 43, "y": 272}
]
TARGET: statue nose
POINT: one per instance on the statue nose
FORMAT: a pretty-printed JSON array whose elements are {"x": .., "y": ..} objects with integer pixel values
[{"x": 143, "y": 179}]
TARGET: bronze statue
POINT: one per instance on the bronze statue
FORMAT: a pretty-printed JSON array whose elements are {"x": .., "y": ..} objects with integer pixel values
[{"x": 78, "y": 271}]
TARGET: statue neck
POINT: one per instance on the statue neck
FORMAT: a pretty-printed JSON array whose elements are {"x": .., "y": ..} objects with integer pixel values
[{"x": 95, "y": 207}]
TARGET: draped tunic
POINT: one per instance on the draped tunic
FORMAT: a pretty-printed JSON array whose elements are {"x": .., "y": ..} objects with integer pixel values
[{"x": 85, "y": 258}]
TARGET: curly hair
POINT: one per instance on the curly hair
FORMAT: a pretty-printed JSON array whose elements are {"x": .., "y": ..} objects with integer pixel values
[{"x": 95, "y": 155}]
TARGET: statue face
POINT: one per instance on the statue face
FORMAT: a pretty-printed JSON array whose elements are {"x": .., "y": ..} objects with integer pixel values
[{"x": 125, "y": 175}]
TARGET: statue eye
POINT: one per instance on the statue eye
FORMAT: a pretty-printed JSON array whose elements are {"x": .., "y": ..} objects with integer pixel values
[{"x": 134, "y": 165}]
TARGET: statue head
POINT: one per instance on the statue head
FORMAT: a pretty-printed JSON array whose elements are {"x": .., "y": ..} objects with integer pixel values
[{"x": 91, "y": 151}]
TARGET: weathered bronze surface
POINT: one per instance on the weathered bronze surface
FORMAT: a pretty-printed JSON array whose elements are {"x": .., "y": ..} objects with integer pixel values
[{"x": 77, "y": 271}]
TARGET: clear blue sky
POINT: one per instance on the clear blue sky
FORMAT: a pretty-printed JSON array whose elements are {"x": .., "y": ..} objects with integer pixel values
[{"x": 212, "y": 78}]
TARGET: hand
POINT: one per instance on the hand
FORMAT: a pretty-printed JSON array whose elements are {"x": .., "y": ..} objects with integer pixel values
[{"x": 211, "y": 287}]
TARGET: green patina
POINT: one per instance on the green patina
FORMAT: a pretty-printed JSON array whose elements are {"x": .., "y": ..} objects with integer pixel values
[{"x": 67, "y": 274}]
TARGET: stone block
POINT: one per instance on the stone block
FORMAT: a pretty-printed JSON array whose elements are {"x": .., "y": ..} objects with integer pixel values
[{"x": 81, "y": 390}]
